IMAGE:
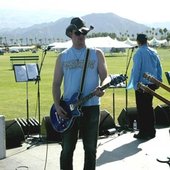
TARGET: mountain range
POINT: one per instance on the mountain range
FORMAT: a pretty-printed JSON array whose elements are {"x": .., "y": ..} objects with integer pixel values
[{"x": 102, "y": 22}]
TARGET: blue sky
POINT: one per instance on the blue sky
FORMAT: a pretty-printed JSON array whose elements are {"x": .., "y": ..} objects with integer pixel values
[{"x": 145, "y": 11}]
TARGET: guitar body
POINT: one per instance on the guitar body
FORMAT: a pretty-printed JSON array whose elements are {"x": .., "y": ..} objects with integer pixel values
[
  {"x": 59, "y": 124},
  {"x": 72, "y": 106}
]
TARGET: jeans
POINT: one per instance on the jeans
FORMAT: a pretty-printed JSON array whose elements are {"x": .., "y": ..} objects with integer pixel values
[
  {"x": 87, "y": 125},
  {"x": 145, "y": 110}
]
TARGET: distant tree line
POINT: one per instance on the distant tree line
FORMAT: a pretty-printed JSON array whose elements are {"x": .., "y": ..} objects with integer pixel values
[{"x": 158, "y": 33}]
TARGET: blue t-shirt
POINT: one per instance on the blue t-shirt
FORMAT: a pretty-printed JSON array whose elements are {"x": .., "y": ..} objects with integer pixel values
[{"x": 72, "y": 61}]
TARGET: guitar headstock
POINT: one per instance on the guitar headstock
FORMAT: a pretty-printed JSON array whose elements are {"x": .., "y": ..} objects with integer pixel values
[
  {"x": 117, "y": 79},
  {"x": 147, "y": 76}
]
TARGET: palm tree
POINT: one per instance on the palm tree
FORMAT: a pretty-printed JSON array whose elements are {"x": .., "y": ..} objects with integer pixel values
[
  {"x": 161, "y": 32},
  {"x": 1, "y": 40},
  {"x": 31, "y": 41},
  {"x": 165, "y": 32},
  {"x": 21, "y": 41}
]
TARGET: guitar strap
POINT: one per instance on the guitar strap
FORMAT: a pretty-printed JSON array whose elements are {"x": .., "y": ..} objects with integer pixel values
[{"x": 84, "y": 71}]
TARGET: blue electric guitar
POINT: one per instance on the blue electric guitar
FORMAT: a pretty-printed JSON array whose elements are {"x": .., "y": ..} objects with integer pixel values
[{"x": 72, "y": 106}]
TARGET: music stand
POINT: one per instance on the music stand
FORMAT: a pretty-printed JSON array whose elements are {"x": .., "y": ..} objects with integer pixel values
[
  {"x": 25, "y": 73},
  {"x": 168, "y": 76}
]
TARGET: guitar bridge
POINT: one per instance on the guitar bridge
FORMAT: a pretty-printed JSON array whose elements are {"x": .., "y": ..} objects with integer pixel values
[{"x": 72, "y": 107}]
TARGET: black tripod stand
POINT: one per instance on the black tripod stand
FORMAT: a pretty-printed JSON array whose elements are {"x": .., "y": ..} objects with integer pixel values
[
  {"x": 129, "y": 57},
  {"x": 39, "y": 139}
]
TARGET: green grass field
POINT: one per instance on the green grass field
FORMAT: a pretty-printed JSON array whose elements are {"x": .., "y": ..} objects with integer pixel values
[{"x": 13, "y": 94}]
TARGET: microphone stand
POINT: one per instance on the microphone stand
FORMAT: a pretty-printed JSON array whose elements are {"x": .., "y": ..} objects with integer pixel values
[
  {"x": 126, "y": 91},
  {"x": 38, "y": 85},
  {"x": 38, "y": 95}
]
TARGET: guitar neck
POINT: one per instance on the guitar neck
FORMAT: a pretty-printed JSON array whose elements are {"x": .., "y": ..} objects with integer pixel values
[
  {"x": 148, "y": 90},
  {"x": 86, "y": 98},
  {"x": 155, "y": 81},
  {"x": 105, "y": 86}
]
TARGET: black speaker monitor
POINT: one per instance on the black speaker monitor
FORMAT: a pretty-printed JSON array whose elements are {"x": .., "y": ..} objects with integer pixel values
[
  {"x": 14, "y": 134},
  {"x": 162, "y": 115},
  {"x": 50, "y": 133},
  {"x": 127, "y": 117},
  {"x": 106, "y": 122}
]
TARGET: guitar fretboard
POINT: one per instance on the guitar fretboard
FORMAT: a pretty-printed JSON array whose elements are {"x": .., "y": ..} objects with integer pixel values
[
  {"x": 86, "y": 98},
  {"x": 113, "y": 81}
]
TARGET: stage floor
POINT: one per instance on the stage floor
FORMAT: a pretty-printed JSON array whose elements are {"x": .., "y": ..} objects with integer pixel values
[{"x": 119, "y": 152}]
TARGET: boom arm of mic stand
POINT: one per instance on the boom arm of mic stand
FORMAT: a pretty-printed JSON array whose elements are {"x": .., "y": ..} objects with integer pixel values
[
  {"x": 126, "y": 91},
  {"x": 128, "y": 62},
  {"x": 38, "y": 90},
  {"x": 42, "y": 61},
  {"x": 41, "y": 64}
]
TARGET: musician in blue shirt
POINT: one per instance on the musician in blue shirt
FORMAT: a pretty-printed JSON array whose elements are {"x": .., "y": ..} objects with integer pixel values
[{"x": 145, "y": 60}]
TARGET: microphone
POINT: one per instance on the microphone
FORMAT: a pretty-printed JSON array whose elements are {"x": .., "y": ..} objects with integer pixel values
[
  {"x": 49, "y": 47},
  {"x": 91, "y": 27},
  {"x": 135, "y": 46}
]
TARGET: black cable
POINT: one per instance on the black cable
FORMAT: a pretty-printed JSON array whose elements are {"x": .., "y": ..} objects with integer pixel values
[
  {"x": 167, "y": 161},
  {"x": 21, "y": 167}
]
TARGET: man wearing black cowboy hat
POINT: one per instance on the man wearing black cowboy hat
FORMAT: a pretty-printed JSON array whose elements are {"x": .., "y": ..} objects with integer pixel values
[
  {"x": 78, "y": 25},
  {"x": 145, "y": 60},
  {"x": 69, "y": 68}
]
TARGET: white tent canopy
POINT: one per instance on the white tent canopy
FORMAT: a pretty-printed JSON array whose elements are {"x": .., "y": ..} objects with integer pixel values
[
  {"x": 156, "y": 42},
  {"x": 130, "y": 42},
  {"x": 106, "y": 42},
  {"x": 100, "y": 42},
  {"x": 24, "y": 48},
  {"x": 58, "y": 45}
]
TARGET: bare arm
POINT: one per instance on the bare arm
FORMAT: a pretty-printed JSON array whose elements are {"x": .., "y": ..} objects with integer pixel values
[
  {"x": 102, "y": 70},
  {"x": 56, "y": 87},
  {"x": 102, "y": 66}
]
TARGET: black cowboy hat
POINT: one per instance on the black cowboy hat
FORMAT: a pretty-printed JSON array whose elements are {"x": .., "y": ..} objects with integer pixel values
[{"x": 79, "y": 25}]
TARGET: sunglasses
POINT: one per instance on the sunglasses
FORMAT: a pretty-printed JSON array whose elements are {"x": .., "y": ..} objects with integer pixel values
[{"x": 78, "y": 33}]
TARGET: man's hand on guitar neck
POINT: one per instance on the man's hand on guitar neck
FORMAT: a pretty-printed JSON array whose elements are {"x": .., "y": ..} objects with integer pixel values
[{"x": 98, "y": 92}]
